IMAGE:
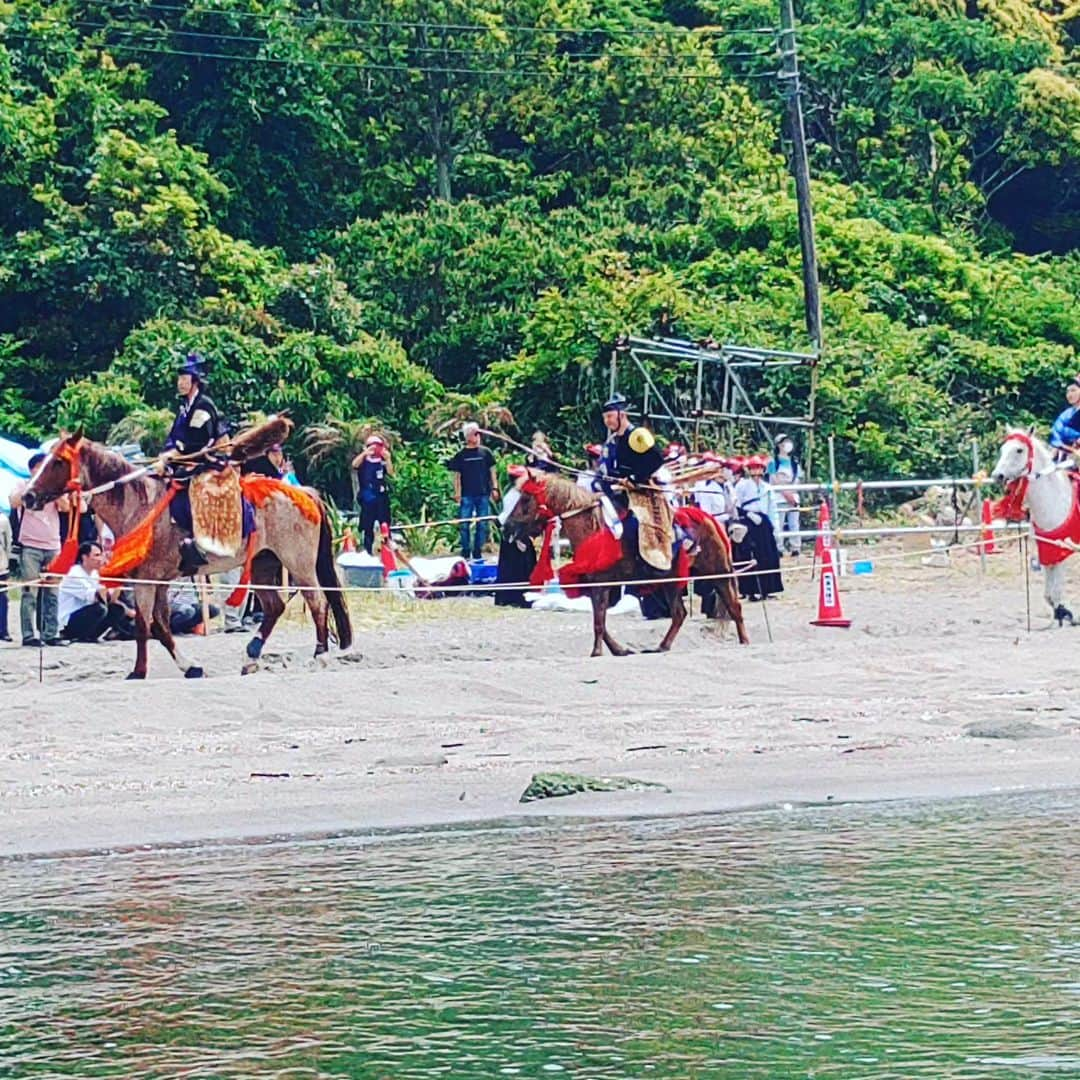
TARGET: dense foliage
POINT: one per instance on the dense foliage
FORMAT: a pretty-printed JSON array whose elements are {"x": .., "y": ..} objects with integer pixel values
[{"x": 393, "y": 214}]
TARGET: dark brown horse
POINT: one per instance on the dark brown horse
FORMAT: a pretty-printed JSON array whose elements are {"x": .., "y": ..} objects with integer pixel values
[
  {"x": 285, "y": 537},
  {"x": 544, "y": 495}
]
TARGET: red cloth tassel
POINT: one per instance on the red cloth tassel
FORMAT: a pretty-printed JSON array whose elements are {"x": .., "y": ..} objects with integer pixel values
[
  {"x": 132, "y": 549},
  {"x": 65, "y": 558},
  {"x": 595, "y": 554},
  {"x": 239, "y": 594},
  {"x": 543, "y": 571}
]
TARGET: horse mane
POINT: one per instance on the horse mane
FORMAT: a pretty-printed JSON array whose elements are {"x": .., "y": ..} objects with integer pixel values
[
  {"x": 573, "y": 493},
  {"x": 106, "y": 464}
]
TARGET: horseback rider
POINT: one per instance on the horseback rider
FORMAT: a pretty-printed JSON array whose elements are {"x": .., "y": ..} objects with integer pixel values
[
  {"x": 197, "y": 424},
  {"x": 630, "y": 452},
  {"x": 196, "y": 429},
  {"x": 630, "y": 456}
]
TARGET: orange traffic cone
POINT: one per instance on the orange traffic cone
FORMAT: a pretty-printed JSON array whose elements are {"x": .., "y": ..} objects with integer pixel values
[
  {"x": 386, "y": 551},
  {"x": 824, "y": 522},
  {"x": 348, "y": 544},
  {"x": 988, "y": 547},
  {"x": 830, "y": 613}
]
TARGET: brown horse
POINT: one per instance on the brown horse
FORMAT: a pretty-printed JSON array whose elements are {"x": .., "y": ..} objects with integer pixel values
[
  {"x": 285, "y": 537},
  {"x": 544, "y": 496}
]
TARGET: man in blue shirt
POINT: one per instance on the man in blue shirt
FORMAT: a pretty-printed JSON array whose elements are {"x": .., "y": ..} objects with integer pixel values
[{"x": 1065, "y": 433}]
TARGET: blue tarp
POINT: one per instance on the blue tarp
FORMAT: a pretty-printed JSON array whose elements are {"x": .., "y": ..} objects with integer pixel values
[{"x": 14, "y": 466}]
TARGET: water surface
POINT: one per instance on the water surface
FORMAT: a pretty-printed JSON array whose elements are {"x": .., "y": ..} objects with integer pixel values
[{"x": 897, "y": 940}]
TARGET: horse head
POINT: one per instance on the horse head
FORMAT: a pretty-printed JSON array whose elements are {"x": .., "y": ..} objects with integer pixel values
[
  {"x": 57, "y": 474},
  {"x": 530, "y": 513},
  {"x": 1017, "y": 459}
]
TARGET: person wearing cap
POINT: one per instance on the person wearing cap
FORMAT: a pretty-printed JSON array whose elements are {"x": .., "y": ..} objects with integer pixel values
[
  {"x": 784, "y": 469},
  {"x": 475, "y": 486},
  {"x": 755, "y": 505},
  {"x": 630, "y": 452},
  {"x": 197, "y": 424},
  {"x": 1065, "y": 434},
  {"x": 196, "y": 428},
  {"x": 372, "y": 468},
  {"x": 715, "y": 494}
]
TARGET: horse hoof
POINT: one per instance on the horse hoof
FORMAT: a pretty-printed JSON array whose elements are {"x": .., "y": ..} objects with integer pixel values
[
  {"x": 321, "y": 650},
  {"x": 1063, "y": 615},
  {"x": 193, "y": 673},
  {"x": 249, "y": 668},
  {"x": 136, "y": 675},
  {"x": 255, "y": 648}
]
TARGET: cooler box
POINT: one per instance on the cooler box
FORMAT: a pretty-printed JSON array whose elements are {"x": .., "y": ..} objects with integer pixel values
[
  {"x": 360, "y": 570},
  {"x": 483, "y": 573}
]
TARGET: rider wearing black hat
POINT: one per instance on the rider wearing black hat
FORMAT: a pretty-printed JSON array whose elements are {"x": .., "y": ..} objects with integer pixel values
[
  {"x": 197, "y": 427},
  {"x": 630, "y": 452},
  {"x": 198, "y": 423}
]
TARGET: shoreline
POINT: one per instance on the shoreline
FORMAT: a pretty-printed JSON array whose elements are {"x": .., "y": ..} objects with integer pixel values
[{"x": 443, "y": 714}]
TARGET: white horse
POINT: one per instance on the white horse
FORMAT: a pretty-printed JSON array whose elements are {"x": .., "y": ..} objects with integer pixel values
[{"x": 1035, "y": 482}]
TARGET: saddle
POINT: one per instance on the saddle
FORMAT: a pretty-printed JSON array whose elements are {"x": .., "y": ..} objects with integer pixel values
[
  {"x": 656, "y": 527},
  {"x": 217, "y": 516}
]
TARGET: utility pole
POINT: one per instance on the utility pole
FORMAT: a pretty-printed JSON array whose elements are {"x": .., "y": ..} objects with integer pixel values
[{"x": 801, "y": 170}]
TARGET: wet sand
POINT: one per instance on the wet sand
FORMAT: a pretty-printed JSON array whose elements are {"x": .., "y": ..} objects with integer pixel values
[{"x": 443, "y": 711}]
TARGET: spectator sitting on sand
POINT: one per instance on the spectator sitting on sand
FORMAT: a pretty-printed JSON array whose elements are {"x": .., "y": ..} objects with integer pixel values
[
  {"x": 86, "y": 609},
  {"x": 185, "y": 608}
]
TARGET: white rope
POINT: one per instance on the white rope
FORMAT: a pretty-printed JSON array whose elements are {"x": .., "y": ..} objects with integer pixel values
[{"x": 747, "y": 569}]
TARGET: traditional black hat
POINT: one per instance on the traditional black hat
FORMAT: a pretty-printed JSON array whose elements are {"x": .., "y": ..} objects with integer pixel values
[
  {"x": 193, "y": 365},
  {"x": 616, "y": 403}
]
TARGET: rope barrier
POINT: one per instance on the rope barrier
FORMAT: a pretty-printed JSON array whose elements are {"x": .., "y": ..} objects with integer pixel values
[{"x": 473, "y": 587}]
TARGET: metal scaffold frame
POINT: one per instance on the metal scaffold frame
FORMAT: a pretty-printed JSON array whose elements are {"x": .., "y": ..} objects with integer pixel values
[{"x": 688, "y": 407}]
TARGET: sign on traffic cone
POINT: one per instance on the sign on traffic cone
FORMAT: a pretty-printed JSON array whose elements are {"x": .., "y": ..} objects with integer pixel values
[
  {"x": 830, "y": 613},
  {"x": 386, "y": 550},
  {"x": 348, "y": 544},
  {"x": 988, "y": 546}
]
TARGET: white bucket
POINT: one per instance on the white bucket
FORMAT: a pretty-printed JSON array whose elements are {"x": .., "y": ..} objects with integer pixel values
[{"x": 401, "y": 580}]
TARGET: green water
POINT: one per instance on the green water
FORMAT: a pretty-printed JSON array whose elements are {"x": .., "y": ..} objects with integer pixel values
[{"x": 901, "y": 940}]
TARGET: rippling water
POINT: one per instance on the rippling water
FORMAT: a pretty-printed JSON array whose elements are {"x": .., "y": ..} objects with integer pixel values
[{"x": 902, "y": 940}]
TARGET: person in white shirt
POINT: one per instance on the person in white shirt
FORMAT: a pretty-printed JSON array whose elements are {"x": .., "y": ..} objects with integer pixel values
[
  {"x": 755, "y": 504},
  {"x": 715, "y": 495},
  {"x": 86, "y": 609}
]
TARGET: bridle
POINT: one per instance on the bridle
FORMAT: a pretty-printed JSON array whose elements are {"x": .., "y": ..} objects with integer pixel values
[
  {"x": 537, "y": 488},
  {"x": 1011, "y": 506},
  {"x": 69, "y": 453}
]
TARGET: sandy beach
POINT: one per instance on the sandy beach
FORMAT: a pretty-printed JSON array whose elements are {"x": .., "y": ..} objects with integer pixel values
[{"x": 444, "y": 710}]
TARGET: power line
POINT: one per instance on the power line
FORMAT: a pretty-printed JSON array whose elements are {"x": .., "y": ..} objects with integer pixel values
[
  {"x": 505, "y": 72},
  {"x": 164, "y": 32},
  {"x": 340, "y": 20},
  {"x": 418, "y": 68}
]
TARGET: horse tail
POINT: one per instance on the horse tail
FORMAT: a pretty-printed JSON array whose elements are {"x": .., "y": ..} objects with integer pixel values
[
  {"x": 327, "y": 574},
  {"x": 725, "y": 589}
]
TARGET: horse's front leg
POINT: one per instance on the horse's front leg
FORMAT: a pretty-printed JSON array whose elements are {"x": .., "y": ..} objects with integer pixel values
[
  {"x": 1054, "y": 590},
  {"x": 160, "y": 629},
  {"x": 144, "y": 613}
]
